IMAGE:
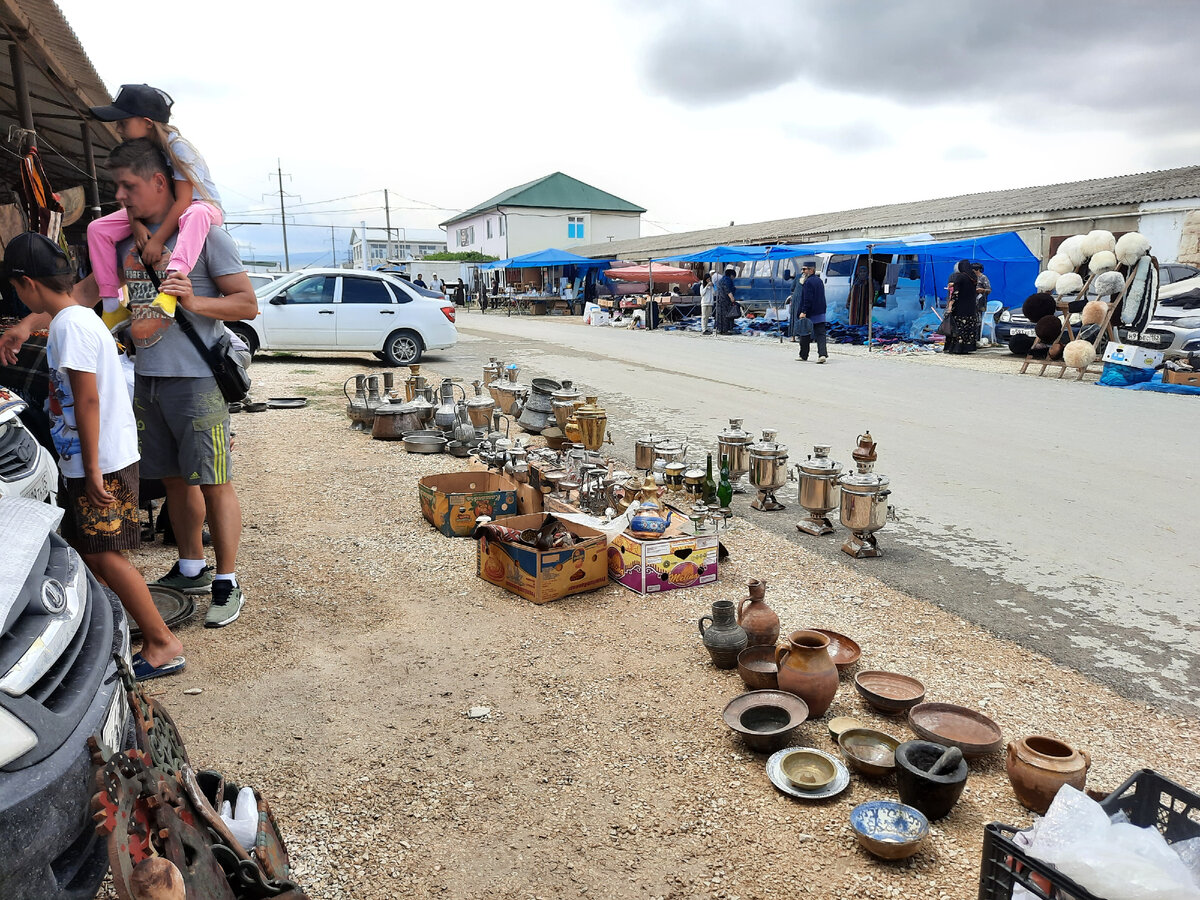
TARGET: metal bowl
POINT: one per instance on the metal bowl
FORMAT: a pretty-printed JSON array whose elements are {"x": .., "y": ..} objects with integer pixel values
[
  {"x": 841, "y": 723},
  {"x": 765, "y": 719},
  {"x": 424, "y": 443},
  {"x": 758, "y": 668},
  {"x": 889, "y": 692},
  {"x": 459, "y": 449},
  {"x": 889, "y": 829},
  {"x": 869, "y": 752},
  {"x": 809, "y": 770}
]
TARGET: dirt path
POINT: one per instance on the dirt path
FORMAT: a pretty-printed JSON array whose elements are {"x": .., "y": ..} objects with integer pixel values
[{"x": 604, "y": 769}]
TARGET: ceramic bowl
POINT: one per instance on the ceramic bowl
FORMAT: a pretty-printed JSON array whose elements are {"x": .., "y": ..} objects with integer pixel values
[
  {"x": 956, "y": 726},
  {"x": 889, "y": 692},
  {"x": 888, "y": 829},
  {"x": 807, "y": 770},
  {"x": 765, "y": 720},
  {"x": 845, "y": 651},
  {"x": 758, "y": 668},
  {"x": 869, "y": 752},
  {"x": 840, "y": 724}
]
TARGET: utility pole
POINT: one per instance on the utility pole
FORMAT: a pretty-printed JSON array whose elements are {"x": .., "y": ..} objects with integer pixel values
[
  {"x": 333, "y": 244},
  {"x": 287, "y": 263},
  {"x": 387, "y": 214}
]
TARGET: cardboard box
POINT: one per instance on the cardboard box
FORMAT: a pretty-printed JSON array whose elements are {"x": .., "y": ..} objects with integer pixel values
[
  {"x": 1132, "y": 355},
  {"x": 544, "y": 575},
  {"x": 452, "y": 502},
  {"x": 1191, "y": 379},
  {"x": 529, "y": 499},
  {"x": 664, "y": 564}
]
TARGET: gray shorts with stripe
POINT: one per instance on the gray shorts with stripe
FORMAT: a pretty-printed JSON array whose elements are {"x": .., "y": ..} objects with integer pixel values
[{"x": 183, "y": 429}]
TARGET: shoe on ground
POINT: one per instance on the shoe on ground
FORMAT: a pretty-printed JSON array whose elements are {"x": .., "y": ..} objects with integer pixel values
[
  {"x": 226, "y": 605},
  {"x": 200, "y": 584},
  {"x": 821, "y": 359},
  {"x": 143, "y": 671},
  {"x": 801, "y": 359}
]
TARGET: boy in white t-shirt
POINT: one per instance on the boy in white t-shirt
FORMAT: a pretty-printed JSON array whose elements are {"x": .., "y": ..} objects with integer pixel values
[{"x": 96, "y": 437}]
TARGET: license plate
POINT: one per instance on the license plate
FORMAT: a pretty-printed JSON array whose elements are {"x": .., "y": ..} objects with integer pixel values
[
  {"x": 1133, "y": 335},
  {"x": 1028, "y": 331}
]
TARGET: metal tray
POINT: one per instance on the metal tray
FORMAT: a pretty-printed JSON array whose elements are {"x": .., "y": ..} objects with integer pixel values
[{"x": 775, "y": 772}]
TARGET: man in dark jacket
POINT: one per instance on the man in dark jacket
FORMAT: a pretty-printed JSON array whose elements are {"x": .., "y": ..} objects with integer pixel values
[{"x": 812, "y": 307}]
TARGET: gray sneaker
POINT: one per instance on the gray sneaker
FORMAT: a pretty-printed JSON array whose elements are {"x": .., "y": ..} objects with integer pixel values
[
  {"x": 226, "y": 605},
  {"x": 201, "y": 584}
]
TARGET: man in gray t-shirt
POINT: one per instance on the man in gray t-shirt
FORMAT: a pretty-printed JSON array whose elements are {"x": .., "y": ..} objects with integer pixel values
[{"x": 183, "y": 420}]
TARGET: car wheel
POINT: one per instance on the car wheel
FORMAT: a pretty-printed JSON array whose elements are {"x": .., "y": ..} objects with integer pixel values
[
  {"x": 403, "y": 348},
  {"x": 246, "y": 333},
  {"x": 378, "y": 354}
]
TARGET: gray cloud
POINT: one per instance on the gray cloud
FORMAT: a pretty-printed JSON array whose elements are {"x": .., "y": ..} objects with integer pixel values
[
  {"x": 1060, "y": 64},
  {"x": 963, "y": 152}
]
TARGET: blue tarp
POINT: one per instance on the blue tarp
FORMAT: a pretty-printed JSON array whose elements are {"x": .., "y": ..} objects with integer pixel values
[
  {"x": 1008, "y": 263},
  {"x": 1155, "y": 384},
  {"x": 546, "y": 258}
]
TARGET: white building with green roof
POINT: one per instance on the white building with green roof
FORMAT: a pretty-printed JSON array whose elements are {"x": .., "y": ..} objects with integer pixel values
[{"x": 554, "y": 211}]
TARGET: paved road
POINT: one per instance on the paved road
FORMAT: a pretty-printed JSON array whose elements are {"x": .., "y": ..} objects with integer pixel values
[{"x": 1060, "y": 515}]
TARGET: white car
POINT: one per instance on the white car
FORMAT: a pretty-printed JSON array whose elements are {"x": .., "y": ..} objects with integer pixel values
[
  {"x": 344, "y": 309},
  {"x": 26, "y": 467}
]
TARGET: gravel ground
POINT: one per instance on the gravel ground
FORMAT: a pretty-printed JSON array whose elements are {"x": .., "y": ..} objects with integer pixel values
[{"x": 604, "y": 768}]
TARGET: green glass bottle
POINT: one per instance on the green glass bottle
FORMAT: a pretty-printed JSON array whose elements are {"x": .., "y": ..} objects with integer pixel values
[
  {"x": 709, "y": 494},
  {"x": 725, "y": 486}
]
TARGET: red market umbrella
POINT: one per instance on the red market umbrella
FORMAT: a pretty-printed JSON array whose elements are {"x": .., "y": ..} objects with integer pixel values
[{"x": 660, "y": 274}]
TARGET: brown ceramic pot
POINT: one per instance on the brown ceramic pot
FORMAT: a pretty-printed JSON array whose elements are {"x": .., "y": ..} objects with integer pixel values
[
  {"x": 1038, "y": 766},
  {"x": 806, "y": 669},
  {"x": 760, "y": 622}
]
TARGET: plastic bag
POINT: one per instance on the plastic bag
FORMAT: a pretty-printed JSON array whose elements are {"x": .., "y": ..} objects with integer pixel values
[{"x": 1117, "y": 862}]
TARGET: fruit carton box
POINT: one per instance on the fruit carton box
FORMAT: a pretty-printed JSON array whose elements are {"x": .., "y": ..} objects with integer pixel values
[
  {"x": 669, "y": 563},
  {"x": 544, "y": 575}
]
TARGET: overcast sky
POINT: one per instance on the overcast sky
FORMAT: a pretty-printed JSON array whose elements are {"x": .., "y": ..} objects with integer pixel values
[{"x": 702, "y": 112}]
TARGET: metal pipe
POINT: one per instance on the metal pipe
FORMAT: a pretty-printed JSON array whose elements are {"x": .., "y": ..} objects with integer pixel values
[
  {"x": 21, "y": 90},
  {"x": 89, "y": 161}
]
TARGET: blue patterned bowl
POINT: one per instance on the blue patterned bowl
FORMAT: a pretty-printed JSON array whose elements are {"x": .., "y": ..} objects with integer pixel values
[{"x": 889, "y": 829}]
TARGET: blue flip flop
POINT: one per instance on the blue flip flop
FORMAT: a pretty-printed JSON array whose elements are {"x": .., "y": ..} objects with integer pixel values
[{"x": 143, "y": 671}]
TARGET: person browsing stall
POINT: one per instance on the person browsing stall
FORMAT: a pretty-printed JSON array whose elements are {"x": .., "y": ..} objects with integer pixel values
[
  {"x": 812, "y": 307},
  {"x": 96, "y": 438}
]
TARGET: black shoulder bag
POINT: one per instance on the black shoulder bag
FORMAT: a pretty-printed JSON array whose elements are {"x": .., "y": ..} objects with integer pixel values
[{"x": 231, "y": 376}]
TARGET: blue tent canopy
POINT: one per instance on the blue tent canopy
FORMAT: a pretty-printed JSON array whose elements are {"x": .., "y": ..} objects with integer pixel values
[
  {"x": 1008, "y": 263},
  {"x": 546, "y": 258}
]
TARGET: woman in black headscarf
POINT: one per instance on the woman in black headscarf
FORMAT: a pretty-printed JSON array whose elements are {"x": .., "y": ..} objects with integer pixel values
[{"x": 961, "y": 313}]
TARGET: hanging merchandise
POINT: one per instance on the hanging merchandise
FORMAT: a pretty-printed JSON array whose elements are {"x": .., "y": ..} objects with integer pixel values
[{"x": 41, "y": 205}]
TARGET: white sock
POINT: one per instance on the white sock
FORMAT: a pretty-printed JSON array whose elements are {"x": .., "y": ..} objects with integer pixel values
[
  {"x": 229, "y": 576},
  {"x": 190, "y": 568},
  {"x": 110, "y": 303}
]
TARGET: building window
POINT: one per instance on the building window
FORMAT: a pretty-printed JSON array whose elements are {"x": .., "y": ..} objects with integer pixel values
[
  {"x": 502, "y": 226},
  {"x": 575, "y": 227},
  {"x": 489, "y": 227},
  {"x": 466, "y": 236}
]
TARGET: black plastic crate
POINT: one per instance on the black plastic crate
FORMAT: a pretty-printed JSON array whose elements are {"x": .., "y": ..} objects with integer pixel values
[{"x": 1147, "y": 798}]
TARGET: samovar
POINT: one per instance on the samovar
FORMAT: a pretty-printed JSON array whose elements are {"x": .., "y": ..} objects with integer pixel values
[
  {"x": 864, "y": 502},
  {"x": 818, "y": 493},
  {"x": 734, "y": 444},
  {"x": 564, "y": 402},
  {"x": 414, "y": 382},
  {"x": 593, "y": 424},
  {"x": 508, "y": 392},
  {"x": 768, "y": 471}
]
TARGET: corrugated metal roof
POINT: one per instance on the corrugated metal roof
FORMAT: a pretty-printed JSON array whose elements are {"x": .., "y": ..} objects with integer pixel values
[
  {"x": 556, "y": 191},
  {"x": 62, "y": 84},
  {"x": 1144, "y": 187}
]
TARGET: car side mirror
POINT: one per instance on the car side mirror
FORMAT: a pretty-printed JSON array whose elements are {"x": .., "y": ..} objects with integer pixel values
[{"x": 278, "y": 299}]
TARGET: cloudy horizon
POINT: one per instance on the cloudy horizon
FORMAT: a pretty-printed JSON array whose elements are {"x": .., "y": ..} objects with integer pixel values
[{"x": 702, "y": 112}]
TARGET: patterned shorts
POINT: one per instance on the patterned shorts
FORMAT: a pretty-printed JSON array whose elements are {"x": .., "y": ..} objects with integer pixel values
[{"x": 94, "y": 529}]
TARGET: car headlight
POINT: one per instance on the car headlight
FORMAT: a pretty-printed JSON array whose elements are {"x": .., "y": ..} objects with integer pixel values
[
  {"x": 1006, "y": 315},
  {"x": 16, "y": 738},
  {"x": 1185, "y": 322}
]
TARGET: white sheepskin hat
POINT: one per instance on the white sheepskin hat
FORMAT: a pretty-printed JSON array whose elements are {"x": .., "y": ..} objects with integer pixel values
[
  {"x": 1131, "y": 247},
  {"x": 1097, "y": 241},
  {"x": 1068, "y": 284},
  {"x": 1072, "y": 249},
  {"x": 1046, "y": 280},
  {"x": 1104, "y": 261},
  {"x": 1094, "y": 312},
  {"x": 1060, "y": 265},
  {"x": 1079, "y": 354},
  {"x": 1108, "y": 283}
]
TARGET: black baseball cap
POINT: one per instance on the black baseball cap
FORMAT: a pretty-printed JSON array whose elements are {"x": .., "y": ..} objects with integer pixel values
[
  {"x": 137, "y": 101},
  {"x": 809, "y": 264},
  {"x": 35, "y": 256}
]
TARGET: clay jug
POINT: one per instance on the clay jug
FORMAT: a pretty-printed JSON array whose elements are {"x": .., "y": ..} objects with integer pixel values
[
  {"x": 1038, "y": 766},
  {"x": 724, "y": 638},
  {"x": 806, "y": 669},
  {"x": 759, "y": 620}
]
